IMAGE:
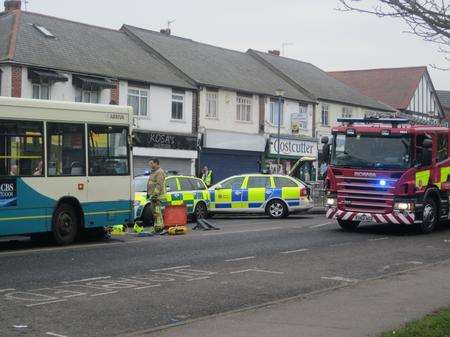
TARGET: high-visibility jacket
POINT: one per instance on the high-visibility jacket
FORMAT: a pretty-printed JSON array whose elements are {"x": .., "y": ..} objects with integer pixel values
[{"x": 207, "y": 178}]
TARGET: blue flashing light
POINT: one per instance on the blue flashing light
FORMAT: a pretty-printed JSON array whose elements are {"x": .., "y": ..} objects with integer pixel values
[{"x": 382, "y": 182}]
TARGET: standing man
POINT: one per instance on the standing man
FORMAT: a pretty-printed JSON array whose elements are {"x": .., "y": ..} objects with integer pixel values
[
  {"x": 207, "y": 176},
  {"x": 156, "y": 190}
]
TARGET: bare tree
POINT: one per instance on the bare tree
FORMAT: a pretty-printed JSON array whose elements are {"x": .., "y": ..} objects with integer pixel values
[{"x": 428, "y": 19}]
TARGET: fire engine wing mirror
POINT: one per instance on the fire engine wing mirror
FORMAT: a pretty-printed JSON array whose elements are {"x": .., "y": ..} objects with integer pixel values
[{"x": 427, "y": 143}]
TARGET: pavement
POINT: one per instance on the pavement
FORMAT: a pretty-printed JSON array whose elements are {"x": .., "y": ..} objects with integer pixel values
[
  {"x": 365, "y": 308},
  {"x": 131, "y": 286}
]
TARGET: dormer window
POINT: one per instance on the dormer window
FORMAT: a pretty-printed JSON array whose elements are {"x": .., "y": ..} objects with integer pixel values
[{"x": 44, "y": 31}]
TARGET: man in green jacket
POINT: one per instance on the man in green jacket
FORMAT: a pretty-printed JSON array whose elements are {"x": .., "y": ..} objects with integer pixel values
[{"x": 156, "y": 191}]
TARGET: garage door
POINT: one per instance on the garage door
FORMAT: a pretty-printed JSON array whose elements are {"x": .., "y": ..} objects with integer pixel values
[
  {"x": 181, "y": 166},
  {"x": 228, "y": 163}
]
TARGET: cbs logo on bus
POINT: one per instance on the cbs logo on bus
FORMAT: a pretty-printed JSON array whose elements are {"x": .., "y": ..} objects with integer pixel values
[{"x": 7, "y": 190}]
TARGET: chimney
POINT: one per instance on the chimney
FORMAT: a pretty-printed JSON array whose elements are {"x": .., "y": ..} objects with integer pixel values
[
  {"x": 165, "y": 31},
  {"x": 274, "y": 52},
  {"x": 12, "y": 5}
]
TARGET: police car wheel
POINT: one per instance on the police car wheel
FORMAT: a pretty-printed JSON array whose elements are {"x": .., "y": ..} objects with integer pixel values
[
  {"x": 429, "y": 218},
  {"x": 348, "y": 225},
  {"x": 276, "y": 209},
  {"x": 65, "y": 225},
  {"x": 147, "y": 216},
  {"x": 201, "y": 212}
]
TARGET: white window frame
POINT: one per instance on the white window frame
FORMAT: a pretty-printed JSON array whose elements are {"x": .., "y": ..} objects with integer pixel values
[
  {"x": 82, "y": 93},
  {"x": 244, "y": 108},
  {"x": 212, "y": 100},
  {"x": 347, "y": 112},
  {"x": 140, "y": 94},
  {"x": 303, "y": 116},
  {"x": 325, "y": 115},
  {"x": 177, "y": 97},
  {"x": 273, "y": 115},
  {"x": 38, "y": 86}
]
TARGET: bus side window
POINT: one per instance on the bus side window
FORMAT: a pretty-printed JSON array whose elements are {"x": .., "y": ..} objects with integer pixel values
[
  {"x": 442, "y": 153},
  {"x": 423, "y": 152},
  {"x": 65, "y": 150}
]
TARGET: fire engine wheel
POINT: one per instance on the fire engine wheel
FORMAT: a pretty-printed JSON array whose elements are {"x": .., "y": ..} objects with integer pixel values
[
  {"x": 276, "y": 209},
  {"x": 348, "y": 225},
  {"x": 147, "y": 216},
  {"x": 429, "y": 218},
  {"x": 65, "y": 225}
]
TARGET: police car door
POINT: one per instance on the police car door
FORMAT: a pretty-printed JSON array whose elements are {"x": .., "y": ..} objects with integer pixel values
[
  {"x": 188, "y": 194},
  {"x": 259, "y": 189},
  {"x": 228, "y": 196},
  {"x": 173, "y": 195}
]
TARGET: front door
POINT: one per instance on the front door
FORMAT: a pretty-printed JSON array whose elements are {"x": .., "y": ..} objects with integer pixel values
[
  {"x": 228, "y": 195},
  {"x": 259, "y": 189}
]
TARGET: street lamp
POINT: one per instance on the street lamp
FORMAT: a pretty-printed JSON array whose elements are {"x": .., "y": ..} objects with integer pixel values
[{"x": 280, "y": 94}]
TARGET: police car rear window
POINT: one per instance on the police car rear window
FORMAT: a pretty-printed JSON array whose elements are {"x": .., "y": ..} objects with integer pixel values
[
  {"x": 259, "y": 182},
  {"x": 281, "y": 182},
  {"x": 197, "y": 184}
]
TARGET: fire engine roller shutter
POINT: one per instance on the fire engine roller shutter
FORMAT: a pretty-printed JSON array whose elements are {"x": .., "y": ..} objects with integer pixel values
[{"x": 226, "y": 163}]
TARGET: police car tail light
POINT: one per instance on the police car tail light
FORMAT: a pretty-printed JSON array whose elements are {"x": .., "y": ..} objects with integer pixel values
[{"x": 304, "y": 192}]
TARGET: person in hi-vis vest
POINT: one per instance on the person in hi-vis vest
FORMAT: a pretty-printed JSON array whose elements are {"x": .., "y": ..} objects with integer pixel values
[{"x": 207, "y": 176}]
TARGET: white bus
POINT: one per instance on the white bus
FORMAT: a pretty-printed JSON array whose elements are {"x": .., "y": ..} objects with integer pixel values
[{"x": 64, "y": 167}]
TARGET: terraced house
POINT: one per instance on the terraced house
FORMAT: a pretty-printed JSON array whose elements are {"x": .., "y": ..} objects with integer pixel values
[{"x": 43, "y": 57}]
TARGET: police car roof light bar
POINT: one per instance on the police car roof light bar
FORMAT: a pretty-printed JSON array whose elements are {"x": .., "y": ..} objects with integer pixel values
[{"x": 368, "y": 120}]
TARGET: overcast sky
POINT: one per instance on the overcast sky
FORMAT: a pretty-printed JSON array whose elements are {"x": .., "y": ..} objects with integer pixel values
[{"x": 319, "y": 34}]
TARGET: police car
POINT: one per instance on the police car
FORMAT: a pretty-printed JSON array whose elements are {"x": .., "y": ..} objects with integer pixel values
[
  {"x": 275, "y": 195},
  {"x": 180, "y": 190}
]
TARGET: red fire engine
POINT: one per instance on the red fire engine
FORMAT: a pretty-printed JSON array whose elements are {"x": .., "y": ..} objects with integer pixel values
[{"x": 389, "y": 172}]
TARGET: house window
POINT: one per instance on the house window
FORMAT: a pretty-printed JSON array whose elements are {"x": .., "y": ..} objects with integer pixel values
[
  {"x": 138, "y": 100},
  {"x": 325, "y": 115},
  {"x": 211, "y": 103},
  {"x": 87, "y": 95},
  {"x": 347, "y": 112},
  {"x": 276, "y": 112},
  {"x": 244, "y": 108},
  {"x": 177, "y": 104},
  {"x": 303, "y": 116},
  {"x": 41, "y": 90}
]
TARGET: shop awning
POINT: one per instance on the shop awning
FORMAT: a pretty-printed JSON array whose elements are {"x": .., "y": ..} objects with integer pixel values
[
  {"x": 48, "y": 75},
  {"x": 93, "y": 82}
]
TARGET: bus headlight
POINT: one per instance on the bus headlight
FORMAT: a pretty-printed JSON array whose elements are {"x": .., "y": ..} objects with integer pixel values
[
  {"x": 404, "y": 206},
  {"x": 331, "y": 202}
]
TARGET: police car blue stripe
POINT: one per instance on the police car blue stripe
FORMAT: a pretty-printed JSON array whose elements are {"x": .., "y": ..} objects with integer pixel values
[
  {"x": 244, "y": 195},
  {"x": 293, "y": 203},
  {"x": 223, "y": 205},
  {"x": 236, "y": 196},
  {"x": 255, "y": 204},
  {"x": 212, "y": 196}
]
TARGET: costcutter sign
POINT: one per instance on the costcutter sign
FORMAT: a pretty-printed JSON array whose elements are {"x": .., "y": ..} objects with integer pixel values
[
  {"x": 8, "y": 193},
  {"x": 293, "y": 147}
]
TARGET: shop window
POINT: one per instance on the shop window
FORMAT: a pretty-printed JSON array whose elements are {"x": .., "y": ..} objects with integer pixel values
[
  {"x": 442, "y": 147},
  {"x": 211, "y": 103},
  {"x": 281, "y": 182},
  {"x": 108, "y": 150},
  {"x": 65, "y": 150},
  {"x": 138, "y": 100},
  {"x": 21, "y": 148},
  {"x": 259, "y": 182},
  {"x": 233, "y": 183},
  {"x": 244, "y": 108},
  {"x": 177, "y": 104}
]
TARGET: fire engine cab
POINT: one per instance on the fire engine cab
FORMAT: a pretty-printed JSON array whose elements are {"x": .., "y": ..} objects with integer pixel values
[{"x": 387, "y": 171}]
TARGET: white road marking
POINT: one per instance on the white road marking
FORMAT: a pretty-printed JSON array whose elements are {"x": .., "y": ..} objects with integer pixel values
[
  {"x": 54, "y": 334},
  {"x": 322, "y": 225},
  {"x": 379, "y": 239},
  {"x": 341, "y": 244},
  {"x": 171, "y": 268},
  {"x": 257, "y": 270},
  {"x": 103, "y": 294},
  {"x": 198, "y": 278},
  {"x": 244, "y": 231},
  {"x": 43, "y": 303},
  {"x": 241, "y": 258},
  {"x": 417, "y": 263},
  {"x": 5, "y": 290},
  {"x": 88, "y": 279},
  {"x": 295, "y": 251},
  {"x": 150, "y": 286},
  {"x": 339, "y": 278}
]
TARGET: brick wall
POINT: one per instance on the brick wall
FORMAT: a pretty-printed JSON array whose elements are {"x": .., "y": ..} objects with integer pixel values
[
  {"x": 115, "y": 93},
  {"x": 195, "y": 111},
  {"x": 16, "y": 81}
]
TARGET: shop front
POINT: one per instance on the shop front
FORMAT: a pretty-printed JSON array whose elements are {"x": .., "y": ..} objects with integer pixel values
[
  {"x": 231, "y": 153},
  {"x": 291, "y": 150},
  {"x": 177, "y": 153}
]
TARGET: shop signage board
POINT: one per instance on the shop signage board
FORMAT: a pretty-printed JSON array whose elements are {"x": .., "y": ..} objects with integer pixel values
[
  {"x": 293, "y": 147},
  {"x": 164, "y": 141}
]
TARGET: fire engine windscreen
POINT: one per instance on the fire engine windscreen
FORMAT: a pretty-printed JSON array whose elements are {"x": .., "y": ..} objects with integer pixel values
[{"x": 371, "y": 151}]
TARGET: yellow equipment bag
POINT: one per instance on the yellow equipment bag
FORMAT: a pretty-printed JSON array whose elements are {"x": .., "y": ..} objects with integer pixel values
[
  {"x": 138, "y": 229},
  {"x": 118, "y": 230},
  {"x": 178, "y": 230}
]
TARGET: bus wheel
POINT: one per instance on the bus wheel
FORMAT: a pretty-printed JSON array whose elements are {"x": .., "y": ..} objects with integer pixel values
[
  {"x": 348, "y": 225},
  {"x": 147, "y": 216},
  {"x": 201, "y": 211},
  {"x": 429, "y": 218},
  {"x": 276, "y": 209},
  {"x": 65, "y": 225}
]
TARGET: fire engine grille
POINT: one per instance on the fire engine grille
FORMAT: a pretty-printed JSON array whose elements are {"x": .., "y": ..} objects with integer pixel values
[{"x": 365, "y": 195}]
